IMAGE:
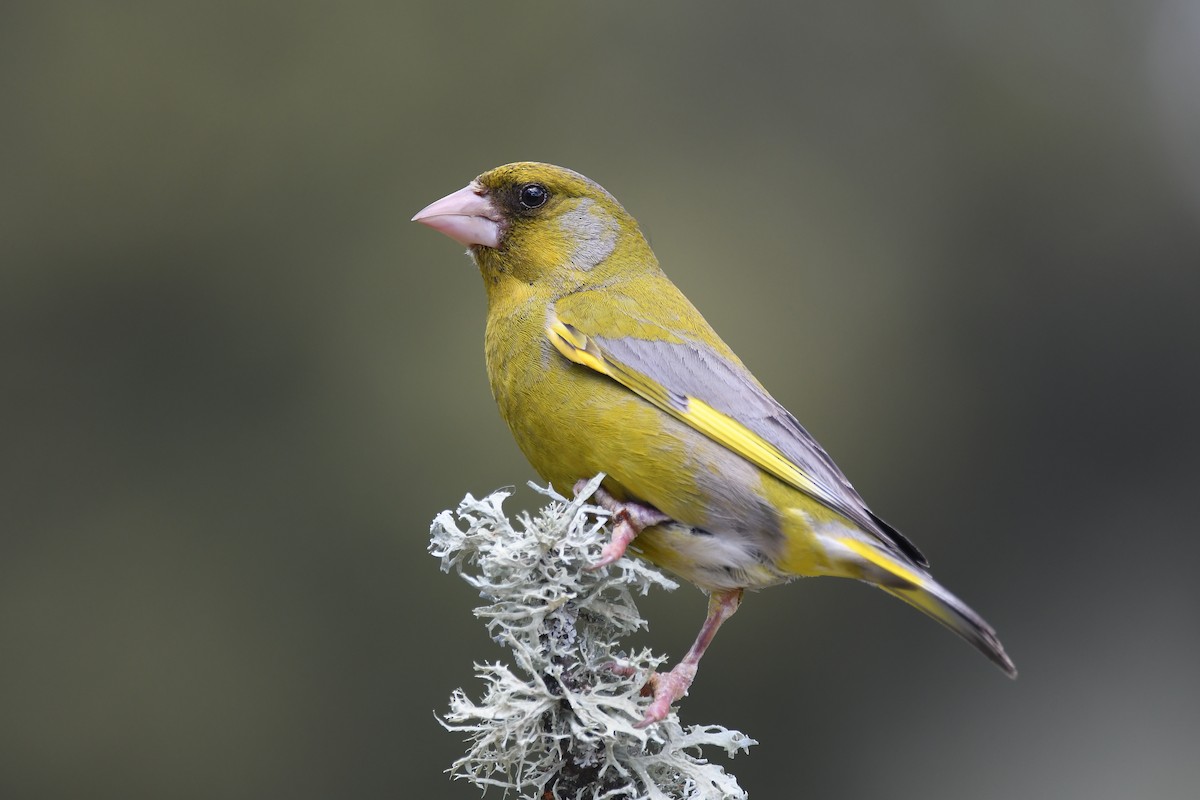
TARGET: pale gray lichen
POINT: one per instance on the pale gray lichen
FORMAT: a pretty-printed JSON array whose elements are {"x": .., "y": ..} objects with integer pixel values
[{"x": 559, "y": 722}]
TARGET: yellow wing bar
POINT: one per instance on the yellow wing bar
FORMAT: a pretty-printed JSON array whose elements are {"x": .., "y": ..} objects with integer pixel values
[
  {"x": 721, "y": 428},
  {"x": 737, "y": 437}
]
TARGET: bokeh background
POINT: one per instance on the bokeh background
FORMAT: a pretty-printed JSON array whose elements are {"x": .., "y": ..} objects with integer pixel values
[{"x": 959, "y": 239}]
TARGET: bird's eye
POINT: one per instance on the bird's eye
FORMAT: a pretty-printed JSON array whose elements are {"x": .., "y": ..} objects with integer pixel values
[{"x": 533, "y": 195}]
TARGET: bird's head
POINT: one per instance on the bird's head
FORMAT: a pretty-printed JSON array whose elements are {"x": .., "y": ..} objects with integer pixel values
[{"x": 536, "y": 221}]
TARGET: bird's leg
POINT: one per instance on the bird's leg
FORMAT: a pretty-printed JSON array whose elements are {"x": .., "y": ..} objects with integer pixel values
[
  {"x": 629, "y": 520},
  {"x": 671, "y": 686}
]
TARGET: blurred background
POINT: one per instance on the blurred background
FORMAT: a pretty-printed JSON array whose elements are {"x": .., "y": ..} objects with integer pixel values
[{"x": 960, "y": 240}]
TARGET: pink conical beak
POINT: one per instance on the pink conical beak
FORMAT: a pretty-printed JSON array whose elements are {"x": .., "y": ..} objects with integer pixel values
[{"x": 467, "y": 216}]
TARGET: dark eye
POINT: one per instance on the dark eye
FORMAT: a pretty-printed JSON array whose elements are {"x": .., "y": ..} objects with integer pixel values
[{"x": 533, "y": 195}]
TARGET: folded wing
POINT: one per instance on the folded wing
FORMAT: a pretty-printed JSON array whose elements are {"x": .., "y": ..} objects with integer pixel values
[{"x": 720, "y": 399}]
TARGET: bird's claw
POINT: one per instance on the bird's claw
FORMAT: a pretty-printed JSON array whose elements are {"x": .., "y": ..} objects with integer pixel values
[
  {"x": 667, "y": 688},
  {"x": 629, "y": 519},
  {"x": 623, "y": 534},
  {"x": 617, "y": 668}
]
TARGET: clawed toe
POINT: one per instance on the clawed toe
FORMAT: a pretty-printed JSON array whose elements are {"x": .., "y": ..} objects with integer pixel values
[
  {"x": 613, "y": 551},
  {"x": 667, "y": 687},
  {"x": 617, "y": 668},
  {"x": 628, "y": 520}
]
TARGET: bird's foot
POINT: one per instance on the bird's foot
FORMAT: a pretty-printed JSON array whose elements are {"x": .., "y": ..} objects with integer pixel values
[
  {"x": 667, "y": 688},
  {"x": 623, "y": 534},
  {"x": 629, "y": 520},
  {"x": 618, "y": 668}
]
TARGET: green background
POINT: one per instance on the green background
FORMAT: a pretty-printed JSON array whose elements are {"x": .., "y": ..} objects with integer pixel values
[{"x": 959, "y": 240}]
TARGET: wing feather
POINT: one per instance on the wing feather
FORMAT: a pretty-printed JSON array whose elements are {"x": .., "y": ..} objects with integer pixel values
[{"x": 721, "y": 400}]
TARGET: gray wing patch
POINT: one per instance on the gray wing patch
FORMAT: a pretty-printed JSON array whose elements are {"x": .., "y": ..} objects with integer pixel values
[{"x": 690, "y": 369}]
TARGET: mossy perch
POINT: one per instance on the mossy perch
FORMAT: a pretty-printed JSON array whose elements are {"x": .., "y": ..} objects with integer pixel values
[{"x": 559, "y": 722}]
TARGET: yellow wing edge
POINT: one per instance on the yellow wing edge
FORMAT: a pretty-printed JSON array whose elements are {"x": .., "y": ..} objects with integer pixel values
[{"x": 576, "y": 347}]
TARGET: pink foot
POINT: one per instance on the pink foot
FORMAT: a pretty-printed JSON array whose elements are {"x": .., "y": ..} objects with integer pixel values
[
  {"x": 667, "y": 687},
  {"x": 671, "y": 686},
  {"x": 623, "y": 534},
  {"x": 630, "y": 519},
  {"x": 617, "y": 668}
]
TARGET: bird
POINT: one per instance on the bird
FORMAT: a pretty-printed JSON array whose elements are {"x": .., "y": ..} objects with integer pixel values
[{"x": 599, "y": 364}]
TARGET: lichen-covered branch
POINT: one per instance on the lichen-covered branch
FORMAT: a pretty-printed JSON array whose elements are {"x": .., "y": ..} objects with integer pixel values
[{"x": 558, "y": 722}]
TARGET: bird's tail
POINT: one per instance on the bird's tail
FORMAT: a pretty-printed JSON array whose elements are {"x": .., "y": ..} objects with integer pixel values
[{"x": 915, "y": 587}]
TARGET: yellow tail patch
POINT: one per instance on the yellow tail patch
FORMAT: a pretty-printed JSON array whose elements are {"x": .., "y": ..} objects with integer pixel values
[{"x": 890, "y": 572}]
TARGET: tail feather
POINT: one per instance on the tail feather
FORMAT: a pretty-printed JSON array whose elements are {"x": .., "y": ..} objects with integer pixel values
[{"x": 921, "y": 591}]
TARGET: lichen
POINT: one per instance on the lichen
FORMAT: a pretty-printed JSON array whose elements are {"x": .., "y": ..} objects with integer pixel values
[{"x": 558, "y": 722}]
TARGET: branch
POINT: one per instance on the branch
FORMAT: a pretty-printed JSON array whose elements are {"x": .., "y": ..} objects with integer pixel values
[{"x": 559, "y": 722}]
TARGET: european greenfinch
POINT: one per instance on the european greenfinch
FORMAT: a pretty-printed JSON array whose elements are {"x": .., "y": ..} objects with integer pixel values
[{"x": 599, "y": 364}]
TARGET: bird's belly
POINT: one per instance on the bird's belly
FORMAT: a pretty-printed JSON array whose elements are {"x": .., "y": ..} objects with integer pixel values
[
  {"x": 573, "y": 425},
  {"x": 711, "y": 561}
]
